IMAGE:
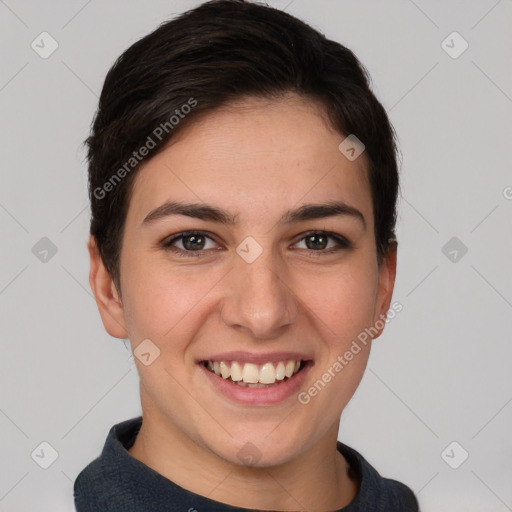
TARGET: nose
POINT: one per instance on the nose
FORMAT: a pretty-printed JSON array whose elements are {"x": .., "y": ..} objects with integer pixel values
[{"x": 260, "y": 300}]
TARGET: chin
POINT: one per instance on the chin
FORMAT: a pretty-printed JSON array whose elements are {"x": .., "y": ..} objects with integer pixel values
[{"x": 262, "y": 449}]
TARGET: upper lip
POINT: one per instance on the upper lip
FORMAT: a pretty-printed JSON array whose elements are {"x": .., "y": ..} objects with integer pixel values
[{"x": 252, "y": 357}]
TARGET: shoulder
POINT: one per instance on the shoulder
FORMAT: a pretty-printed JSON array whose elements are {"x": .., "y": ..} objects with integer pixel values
[
  {"x": 376, "y": 493},
  {"x": 94, "y": 485},
  {"x": 88, "y": 485}
]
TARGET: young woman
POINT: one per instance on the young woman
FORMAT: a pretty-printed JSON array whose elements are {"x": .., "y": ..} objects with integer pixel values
[{"x": 243, "y": 183}]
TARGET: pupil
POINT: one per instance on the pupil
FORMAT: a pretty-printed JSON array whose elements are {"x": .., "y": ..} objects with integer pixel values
[
  {"x": 312, "y": 244},
  {"x": 192, "y": 242}
]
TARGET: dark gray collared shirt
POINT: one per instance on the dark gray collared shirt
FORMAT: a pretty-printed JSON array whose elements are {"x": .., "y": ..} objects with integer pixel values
[{"x": 117, "y": 482}]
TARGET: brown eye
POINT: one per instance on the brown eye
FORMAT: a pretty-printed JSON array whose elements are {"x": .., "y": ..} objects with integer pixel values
[
  {"x": 316, "y": 242},
  {"x": 323, "y": 242},
  {"x": 190, "y": 243},
  {"x": 193, "y": 242}
]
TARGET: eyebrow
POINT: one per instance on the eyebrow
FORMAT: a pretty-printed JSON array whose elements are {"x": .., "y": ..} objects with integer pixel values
[{"x": 214, "y": 214}]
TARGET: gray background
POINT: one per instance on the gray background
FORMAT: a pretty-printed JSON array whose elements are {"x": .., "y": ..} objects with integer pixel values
[{"x": 442, "y": 370}]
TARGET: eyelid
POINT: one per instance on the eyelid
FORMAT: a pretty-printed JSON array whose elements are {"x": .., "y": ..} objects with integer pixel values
[
  {"x": 183, "y": 234},
  {"x": 167, "y": 242},
  {"x": 343, "y": 242}
]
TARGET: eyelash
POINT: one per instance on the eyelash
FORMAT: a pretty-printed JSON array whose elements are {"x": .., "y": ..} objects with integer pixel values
[{"x": 342, "y": 242}]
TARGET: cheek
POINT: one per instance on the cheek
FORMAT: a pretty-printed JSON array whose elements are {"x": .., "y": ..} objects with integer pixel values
[
  {"x": 161, "y": 302},
  {"x": 343, "y": 301},
  {"x": 343, "y": 307}
]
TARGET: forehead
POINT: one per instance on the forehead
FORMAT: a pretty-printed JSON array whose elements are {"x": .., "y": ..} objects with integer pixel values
[{"x": 255, "y": 155}]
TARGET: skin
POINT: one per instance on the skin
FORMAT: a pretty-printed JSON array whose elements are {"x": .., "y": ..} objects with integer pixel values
[{"x": 257, "y": 159}]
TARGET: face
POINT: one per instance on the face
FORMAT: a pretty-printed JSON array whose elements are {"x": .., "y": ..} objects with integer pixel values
[{"x": 277, "y": 279}]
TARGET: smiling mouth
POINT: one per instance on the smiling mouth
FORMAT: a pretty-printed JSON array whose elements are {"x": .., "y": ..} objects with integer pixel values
[{"x": 253, "y": 375}]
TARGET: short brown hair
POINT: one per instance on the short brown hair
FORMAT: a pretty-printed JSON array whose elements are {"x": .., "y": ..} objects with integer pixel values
[{"x": 218, "y": 52}]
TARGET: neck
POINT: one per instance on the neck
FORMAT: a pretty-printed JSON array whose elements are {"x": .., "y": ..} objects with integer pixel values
[{"x": 316, "y": 480}]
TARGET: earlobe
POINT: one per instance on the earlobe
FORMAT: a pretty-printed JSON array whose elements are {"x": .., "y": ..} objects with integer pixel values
[
  {"x": 105, "y": 292},
  {"x": 387, "y": 274}
]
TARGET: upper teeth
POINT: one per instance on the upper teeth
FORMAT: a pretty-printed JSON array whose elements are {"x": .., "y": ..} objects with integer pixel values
[{"x": 251, "y": 373}]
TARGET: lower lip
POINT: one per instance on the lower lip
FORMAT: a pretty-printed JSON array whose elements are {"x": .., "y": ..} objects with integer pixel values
[{"x": 257, "y": 396}]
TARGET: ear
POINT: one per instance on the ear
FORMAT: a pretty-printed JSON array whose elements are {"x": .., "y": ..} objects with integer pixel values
[
  {"x": 387, "y": 274},
  {"x": 106, "y": 294}
]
